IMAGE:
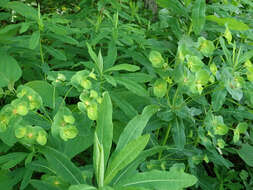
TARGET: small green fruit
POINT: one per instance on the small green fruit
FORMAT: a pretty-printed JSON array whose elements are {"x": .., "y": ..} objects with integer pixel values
[
  {"x": 92, "y": 111},
  {"x": 160, "y": 88},
  {"x": 86, "y": 84},
  {"x": 156, "y": 59},
  {"x": 20, "y": 132},
  {"x": 69, "y": 119}
]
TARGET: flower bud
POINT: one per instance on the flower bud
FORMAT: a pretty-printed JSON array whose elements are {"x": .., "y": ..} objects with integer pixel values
[
  {"x": 156, "y": 59},
  {"x": 160, "y": 88}
]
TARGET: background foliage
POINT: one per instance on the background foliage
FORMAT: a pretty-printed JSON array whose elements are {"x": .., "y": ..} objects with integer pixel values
[{"x": 112, "y": 95}]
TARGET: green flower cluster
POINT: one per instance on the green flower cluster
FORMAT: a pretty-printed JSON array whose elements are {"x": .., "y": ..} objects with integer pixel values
[
  {"x": 31, "y": 134},
  {"x": 64, "y": 124},
  {"x": 89, "y": 97},
  {"x": 27, "y": 100}
]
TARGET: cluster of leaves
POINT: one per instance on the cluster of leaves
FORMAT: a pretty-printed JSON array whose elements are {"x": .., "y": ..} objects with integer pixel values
[{"x": 101, "y": 95}]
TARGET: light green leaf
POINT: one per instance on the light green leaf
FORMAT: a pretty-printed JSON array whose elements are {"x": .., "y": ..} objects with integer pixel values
[
  {"x": 162, "y": 180},
  {"x": 45, "y": 90},
  {"x": 125, "y": 156},
  {"x": 246, "y": 153},
  {"x": 135, "y": 127},
  {"x": 98, "y": 161},
  {"x": 63, "y": 166},
  {"x": 10, "y": 71},
  {"x": 34, "y": 40},
  {"x": 232, "y": 23},
  {"x": 104, "y": 125},
  {"x": 198, "y": 16},
  {"x": 82, "y": 187},
  {"x": 124, "y": 67}
]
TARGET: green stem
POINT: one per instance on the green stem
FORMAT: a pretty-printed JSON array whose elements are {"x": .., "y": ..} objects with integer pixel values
[{"x": 165, "y": 140}]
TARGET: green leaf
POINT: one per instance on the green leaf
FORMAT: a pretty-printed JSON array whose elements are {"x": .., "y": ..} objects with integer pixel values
[
  {"x": 162, "y": 180},
  {"x": 10, "y": 71},
  {"x": 82, "y": 187},
  {"x": 34, "y": 40},
  {"x": 174, "y": 5},
  {"x": 178, "y": 133},
  {"x": 125, "y": 156},
  {"x": 198, "y": 16},
  {"x": 45, "y": 90},
  {"x": 57, "y": 54},
  {"x": 42, "y": 185},
  {"x": 124, "y": 105},
  {"x": 135, "y": 127},
  {"x": 23, "y": 9},
  {"x": 132, "y": 86},
  {"x": 95, "y": 58},
  {"x": 218, "y": 98},
  {"x": 104, "y": 125},
  {"x": 98, "y": 161},
  {"x": 12, "y": 159},
  {"x": 124, "y": 67},
  {"x": 64, "y": 38},
  {"x": 232, "y": 23},
  {"x": 111, "y": 55},
  {"x": 63, "y": 166},
  {"x": 246, "y": 153}
]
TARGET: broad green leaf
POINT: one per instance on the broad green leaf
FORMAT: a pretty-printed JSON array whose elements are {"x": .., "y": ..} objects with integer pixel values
[
  {"x": 42, "y": 185},
  {"x": 135, "y": 127},
  {"x": 57, "y": 54},
  {"x": 9, "y": 179},
  {"x": 110, "y": 80},
  {"x": 34, "y": 40},
  {"x": 10, "y": 71},
  {"x": 246, "y": 56},
  {"x": 218, "y": 98},
  {"x": 198, "y": 16},
  {"x": 246, "y": 153},
  {"x": 132, "y": 86},
  {"x": 104, "y": 125},
  {"x": 45, "y": 90},
  {"x": 232, "y": 23},
  {"x": 82, "y": 187},
  {"x": 98, "y": 161},
  {"x": 178, "y": 132},
  {"x": 63, "y": 166},
  {"x": 162, "y": 180},
  {"x": 174, "y": 5},
  {"x": 124, "y": 67},
  {"x": 125, "y": 156},
  {"x": 23, "y": 9}
]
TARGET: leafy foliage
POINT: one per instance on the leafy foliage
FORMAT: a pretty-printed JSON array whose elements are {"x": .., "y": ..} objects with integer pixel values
[{"x": 111, "y": 95}]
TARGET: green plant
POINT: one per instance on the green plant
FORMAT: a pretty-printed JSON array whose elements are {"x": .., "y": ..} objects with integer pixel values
[{"x": 97, "y": 95}]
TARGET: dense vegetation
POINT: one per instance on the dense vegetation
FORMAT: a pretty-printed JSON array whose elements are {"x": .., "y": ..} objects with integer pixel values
[{"x": 126, "y": 95}]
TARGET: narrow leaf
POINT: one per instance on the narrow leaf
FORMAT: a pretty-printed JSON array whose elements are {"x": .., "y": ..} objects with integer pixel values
[
  {"x": 104, "y": 125},
  {"x": 63, "y": 166},
  {"x": 124, "y": 67},
  {"x": 135, "y": 127},
  {"x": 34, "y": 40},
  {"x": 198, "y": 16},
  {"x": 125, "y": 156}
]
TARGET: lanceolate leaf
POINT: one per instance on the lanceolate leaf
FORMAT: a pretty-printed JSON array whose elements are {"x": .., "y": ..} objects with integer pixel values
[
  {"x": 174, "y": 5},
  {"x": 178, "y": 132},
  {"x": 198, "y": 16},
  {"x": 82, "y": 187},
  {"x": 218, "y": 98},
  {"x": 63, "y": 166},
  {"x": 162, "y": 180},
  {"x": 121, "y": 159},
  {"x": 34, "y": 40},
  {"x": 135, "y": 127},
  {"x": 124, "y": 67},
  {"x": 104, "y": 125},
  {"x": 246, "y": 153}
]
